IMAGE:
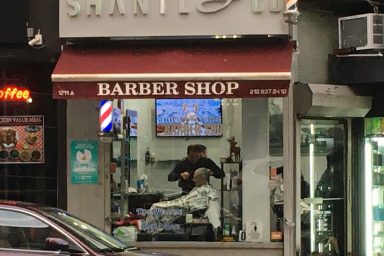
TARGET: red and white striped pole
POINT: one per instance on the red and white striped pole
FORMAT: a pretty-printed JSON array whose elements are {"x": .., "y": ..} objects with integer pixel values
[{"x": 105, "y": 117}]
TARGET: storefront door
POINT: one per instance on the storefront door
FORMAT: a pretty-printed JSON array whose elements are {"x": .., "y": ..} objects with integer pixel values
[{"x": 323, "y": 175}]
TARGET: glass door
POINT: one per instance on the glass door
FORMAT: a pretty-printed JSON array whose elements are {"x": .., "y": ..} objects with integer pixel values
[{"x": 322, "y": 186}]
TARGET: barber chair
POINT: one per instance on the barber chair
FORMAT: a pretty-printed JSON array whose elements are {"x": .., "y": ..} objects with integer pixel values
[{"x": 197, "y": 230}]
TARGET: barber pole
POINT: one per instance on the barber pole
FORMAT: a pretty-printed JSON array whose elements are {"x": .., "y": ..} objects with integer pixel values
[{"x": 105, "y": 117}]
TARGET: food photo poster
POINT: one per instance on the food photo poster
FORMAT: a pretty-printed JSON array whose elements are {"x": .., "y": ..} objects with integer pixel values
[{"x": 22, "y": 139}]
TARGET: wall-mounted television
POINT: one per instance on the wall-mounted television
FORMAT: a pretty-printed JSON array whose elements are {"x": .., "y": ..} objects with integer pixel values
[
  {"x": 189, "y": 118},
  {"x": 132, "y": 114}
]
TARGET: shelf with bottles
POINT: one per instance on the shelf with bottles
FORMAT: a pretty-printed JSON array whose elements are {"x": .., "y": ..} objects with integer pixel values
[
  {"x": 379, "y": 187},
  {"x": 128, "y": 161},
  {"x": 378, "y": 247},
  {"x": 233, "y": 214},
  {"x": 378, "y": 214},
  {"x": 377, "y": 157},
  {"x": 378, "y": 169},
  {"x": 232, "y": 180},
  {"x": 378, "y": 179},
  {"x": 231, "y": 224},
  {"x": 230, "y": 232},
  {"x": 324, "y": 222},
  {"x": 378, "y": 244},
  {"x": 231, "y": 194}
]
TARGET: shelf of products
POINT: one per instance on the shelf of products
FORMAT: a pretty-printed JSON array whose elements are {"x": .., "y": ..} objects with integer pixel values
[
  {"x": 231, "y": 201},
  {"x": 374, "y": 173}
]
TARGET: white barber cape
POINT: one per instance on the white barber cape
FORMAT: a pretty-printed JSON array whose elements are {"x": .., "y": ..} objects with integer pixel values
[{"x": 203, "y": 197}]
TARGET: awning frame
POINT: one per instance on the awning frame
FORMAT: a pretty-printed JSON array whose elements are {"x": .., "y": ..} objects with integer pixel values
[
  {"x": 254, "y": 69},
  {"x": 171, "y": 76}
]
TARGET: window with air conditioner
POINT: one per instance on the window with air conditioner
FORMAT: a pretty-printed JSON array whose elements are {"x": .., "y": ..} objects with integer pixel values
[{"x": 363, "y": 32}]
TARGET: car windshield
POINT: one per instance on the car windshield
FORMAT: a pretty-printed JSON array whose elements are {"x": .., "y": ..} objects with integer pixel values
[{"x": 94, "y": 237}]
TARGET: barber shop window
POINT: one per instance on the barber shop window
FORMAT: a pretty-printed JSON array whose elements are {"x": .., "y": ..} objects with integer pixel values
[{"x": 196, "y": 169}]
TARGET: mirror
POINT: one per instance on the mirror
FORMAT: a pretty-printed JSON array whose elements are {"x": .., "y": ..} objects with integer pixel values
[{"x": 56, "y": 244}]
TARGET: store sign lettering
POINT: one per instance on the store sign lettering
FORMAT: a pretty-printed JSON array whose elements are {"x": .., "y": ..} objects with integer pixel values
[
  {"x": 74, "y": 8},
  {"x": 171, "y": 89},
  {"x": 14, "y": 93},
  {"x": 167, "y": 88}
]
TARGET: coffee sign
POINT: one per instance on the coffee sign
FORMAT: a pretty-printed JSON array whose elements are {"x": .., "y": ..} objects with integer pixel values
[
  {"x": 147, "y": 18},
  {"x": 13, "y": 93}
]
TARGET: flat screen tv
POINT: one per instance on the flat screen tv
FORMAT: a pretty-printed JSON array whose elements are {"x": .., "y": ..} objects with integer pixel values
[
  {"x": 132, "y": 114},
  {"x": 188, "y": 118}
]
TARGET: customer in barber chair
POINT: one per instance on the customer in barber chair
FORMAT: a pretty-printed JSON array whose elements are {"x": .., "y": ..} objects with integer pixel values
[{"x": 202, "y": 197}]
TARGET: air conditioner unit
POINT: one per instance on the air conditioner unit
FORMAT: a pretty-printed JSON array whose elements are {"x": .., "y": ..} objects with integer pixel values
[{"x": 364, "y": 32}]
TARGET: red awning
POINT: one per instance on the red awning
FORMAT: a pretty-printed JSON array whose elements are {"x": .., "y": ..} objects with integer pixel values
[{"x": 179, "y": 71}]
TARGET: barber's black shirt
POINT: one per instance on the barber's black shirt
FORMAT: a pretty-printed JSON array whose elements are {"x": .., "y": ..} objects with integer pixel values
[
  {"x": 209, "y": 164},
  {"x": 186, "y": 165}
]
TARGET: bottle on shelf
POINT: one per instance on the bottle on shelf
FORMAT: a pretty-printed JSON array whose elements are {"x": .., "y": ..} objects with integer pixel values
[
  {"x": 233, "y": 232},
  {"x": 227, "y": 229},
  {"x": 377, "y": 159},
  {"x": 229, "y": 181},
  {"x": 147, "y": 156},
  {"x": 378, "y": 178}
]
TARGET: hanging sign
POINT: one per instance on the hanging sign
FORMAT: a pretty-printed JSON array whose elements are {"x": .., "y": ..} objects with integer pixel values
[
  {"x": 164, "y": 18},
  {"x": 21, "y": 139},
  {"x": 84, "y": 162},
  {"x": 171, "y": 89}
]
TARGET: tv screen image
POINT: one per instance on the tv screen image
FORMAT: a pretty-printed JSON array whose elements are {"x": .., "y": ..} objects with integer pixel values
[
  {"x": 132, "y": 114},
  {"x": 189, "y": 117}
]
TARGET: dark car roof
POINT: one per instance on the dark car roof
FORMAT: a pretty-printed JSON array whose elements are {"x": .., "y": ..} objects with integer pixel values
[
  {"x": 24, "y": 205},
  {"x": 20, "y": 204}
]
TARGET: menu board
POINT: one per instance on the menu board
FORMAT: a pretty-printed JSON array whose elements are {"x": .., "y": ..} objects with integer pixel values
[{"x": 21, "y": 139}]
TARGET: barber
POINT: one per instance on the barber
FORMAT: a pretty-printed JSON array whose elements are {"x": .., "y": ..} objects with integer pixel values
[
  {"x": 196, "y": 158},
  {"x": 183, "y": 170},
  {"x": 206, "y": 162}
]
